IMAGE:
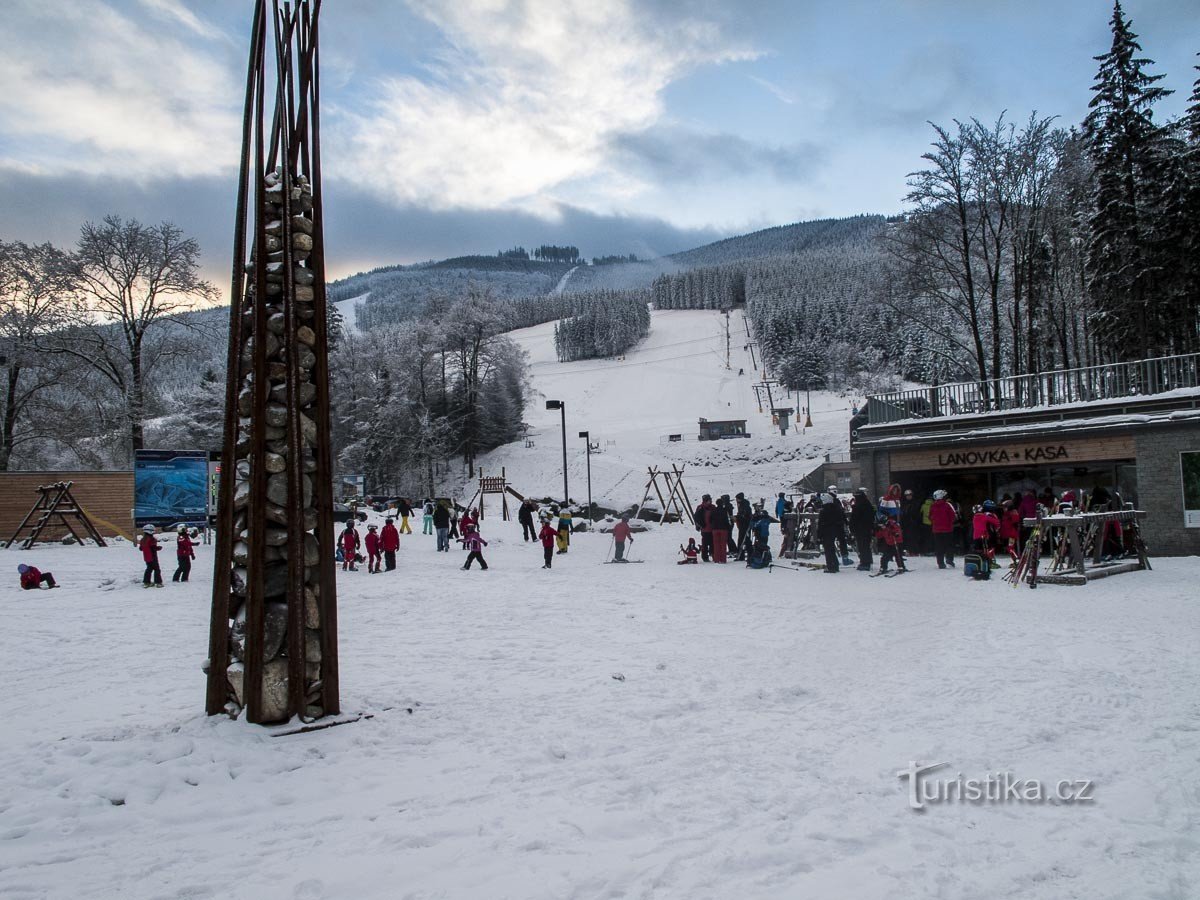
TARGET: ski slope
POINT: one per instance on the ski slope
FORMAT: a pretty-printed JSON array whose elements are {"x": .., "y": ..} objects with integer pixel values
[{"x": 662, "y": 387}]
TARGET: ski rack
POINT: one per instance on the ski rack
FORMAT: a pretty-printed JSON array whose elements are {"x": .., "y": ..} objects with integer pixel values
[{"x": 1080, "y": 539}]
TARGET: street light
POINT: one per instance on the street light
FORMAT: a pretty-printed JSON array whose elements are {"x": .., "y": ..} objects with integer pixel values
[
  {"x": 562, "y": 407},
  {"x": 587, "y": 440}
]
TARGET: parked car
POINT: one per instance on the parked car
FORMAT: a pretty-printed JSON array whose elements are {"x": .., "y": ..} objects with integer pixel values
[{"x": 341, "y": 513}]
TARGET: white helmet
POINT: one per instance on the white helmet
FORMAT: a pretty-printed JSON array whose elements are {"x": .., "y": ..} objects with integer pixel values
[
  {"x": 939, "y": 495},
  {"x": 832, "y": 489},
  {"x": 149, "y": 529}
]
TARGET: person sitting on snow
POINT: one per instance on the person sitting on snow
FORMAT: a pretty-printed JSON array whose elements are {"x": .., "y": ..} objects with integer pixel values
[
  {"x": 690, "y": 552},
  {"x": 32, "y": 578}
]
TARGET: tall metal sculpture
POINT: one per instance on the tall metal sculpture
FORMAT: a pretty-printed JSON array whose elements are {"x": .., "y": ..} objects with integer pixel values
[{"x": 273, "y": 634}]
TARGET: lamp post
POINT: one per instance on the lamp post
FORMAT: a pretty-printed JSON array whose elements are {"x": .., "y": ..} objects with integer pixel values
[
  {"x": 587, "y": 440},
  {"x": 562, "y": 408}
]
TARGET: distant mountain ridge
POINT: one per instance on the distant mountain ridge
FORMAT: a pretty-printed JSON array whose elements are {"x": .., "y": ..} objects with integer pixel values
[{"x": 395, "y": 293}]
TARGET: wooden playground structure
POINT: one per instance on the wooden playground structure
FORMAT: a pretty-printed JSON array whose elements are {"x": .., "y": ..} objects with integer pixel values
[
  {"x": 55, "y": 505},
  {"x": 494, "y": 484},
  {"x": 676, "y": 497}
]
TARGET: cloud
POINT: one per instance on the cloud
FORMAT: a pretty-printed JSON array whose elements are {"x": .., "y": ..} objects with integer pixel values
[
  {"x": 362, "y": 229},
  {"x": 524, "y": 99},
  {"x": 676, "y": 154},
  {"x": 116, "y": 95}
]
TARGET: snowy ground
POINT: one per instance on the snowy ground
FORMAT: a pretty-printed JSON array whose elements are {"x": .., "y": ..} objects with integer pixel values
[
  {"x": 664, "y": 386},
  {"x": 750, "y": 751}
]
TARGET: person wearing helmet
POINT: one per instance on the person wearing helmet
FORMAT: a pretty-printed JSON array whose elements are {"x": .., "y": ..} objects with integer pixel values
[
  {"x": 374, "y": 553},
  {"x": 185, "y": 552},
  {"x": 942, "y": 516},
  {"x": 547, "y": 535},
  {"x": 389, "y": 543},
  {"x": 985, "y": 525},
  {"x": 33, "y": 578},
  {"x": 150, "y": 546}
]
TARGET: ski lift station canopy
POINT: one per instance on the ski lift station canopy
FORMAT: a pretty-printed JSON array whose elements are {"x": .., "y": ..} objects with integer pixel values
[{"x": 717, "y": 431}]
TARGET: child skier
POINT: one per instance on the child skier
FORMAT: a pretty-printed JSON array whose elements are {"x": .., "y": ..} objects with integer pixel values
[
  {"x": 547, "y": 536},
  {"x": 474, "y": 543},
  {"x": 349, "y": 543},
  {"x": 374, "y": 554},
  {"x": 184, "y": 554},
  {"x": 690, "y": 552},
  {"x": 891, "y": 542},
  {"x": 389, "y": 543},
  {"x": 33, "y": 578},
  {"x": 621, "y": 534},
  {"x": 984, "y": 527},
  {"x": 150, "y": 546},
  {"x": 427, "y": 518}
]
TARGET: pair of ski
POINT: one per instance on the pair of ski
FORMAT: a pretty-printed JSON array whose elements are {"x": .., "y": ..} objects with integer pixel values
[{"x": 888, "y": 574}]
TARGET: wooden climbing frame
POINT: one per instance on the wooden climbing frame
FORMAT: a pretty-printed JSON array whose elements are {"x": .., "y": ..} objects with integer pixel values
[
  {"x": 676, "y": 497},
  {"x": 494, "y": 484},
  {"x": 55, "y": 505}
]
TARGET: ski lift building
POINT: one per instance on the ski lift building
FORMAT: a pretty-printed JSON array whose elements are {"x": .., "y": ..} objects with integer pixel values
[{"x": 721, "y": 430}]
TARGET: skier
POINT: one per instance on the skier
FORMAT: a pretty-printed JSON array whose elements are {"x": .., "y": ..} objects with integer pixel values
[
  {"x": 184, "y": 554},
  {"x": 690, "y": 552},
  {"x": 942, "y": 516},
  {"x": 726, "y": 505},
  {"x": 758, "y": 555},
  {"x": 718, "y": 520},
  {"x": 862, "y": 520},
  {"x": 374, "y": 556},
  {"x": 831, "y": 524},
  {"x": 427, "y": 518},
  {"x": 984, "y": 527},
  {"x": 744, "y": 515},
  {"x": 780, "y": 505},
  {"x": 564, "y": 529},
  {"x": 910, "y": 521},
  {"x": 349, "y": 543},
  {"x": 406, "y": 510},
  {"x": 150, "y": 546},
  {"x": 547, "y": 536},
  {"x": 474, "y": 543},
  {"x": 389, "y": 543},
  {"x": 441, "y": 524},
  {"x": 525, "y": 517},
  {"x": 33, "y": 578},
  {"x": 891, "y": 542},
  {"x": 621, "y": 534}
]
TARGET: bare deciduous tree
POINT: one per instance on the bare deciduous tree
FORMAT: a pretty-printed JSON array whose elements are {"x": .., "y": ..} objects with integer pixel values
[{"x": 131, "y": 279}]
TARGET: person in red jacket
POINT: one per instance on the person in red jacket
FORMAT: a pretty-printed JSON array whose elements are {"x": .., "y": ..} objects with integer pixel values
[
  {"x": 184, "y": 554},
  {"x": 1009, "y": 532},
  {"x": 891, "y": 540},
  {"x": 349, "y": 541},
  {"x": 389, "y": 543},
  {"x": 942, "y": 516},
  {"x": 374, "y": 557},
  {"x": 547, "y": 536},
  {"x": 690, "y": 552},
  {"x": 621, "y": 533},
  {"x": 150, "y": 546},
  {"x": 32, "y": 578}
]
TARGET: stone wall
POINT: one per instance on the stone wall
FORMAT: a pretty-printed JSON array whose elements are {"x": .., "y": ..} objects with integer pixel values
[{"x": 1160, "y": 489}]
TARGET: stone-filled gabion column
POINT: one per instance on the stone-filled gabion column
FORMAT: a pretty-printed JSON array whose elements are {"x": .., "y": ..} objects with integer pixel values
[{"x": 273, "y": 642}]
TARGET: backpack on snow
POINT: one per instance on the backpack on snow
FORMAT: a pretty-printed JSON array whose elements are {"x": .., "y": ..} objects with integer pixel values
[{"x": 975, "y": 566}]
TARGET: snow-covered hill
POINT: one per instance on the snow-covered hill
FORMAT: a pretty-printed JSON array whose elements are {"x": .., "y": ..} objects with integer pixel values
[{"x": 663, "y": 387}]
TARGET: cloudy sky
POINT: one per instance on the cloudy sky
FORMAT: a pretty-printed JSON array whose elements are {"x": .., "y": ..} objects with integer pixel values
[{"x": 463, "y": 126}]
